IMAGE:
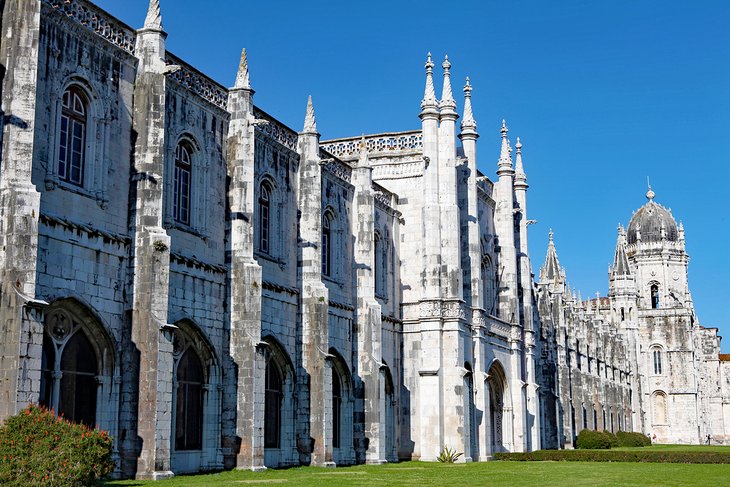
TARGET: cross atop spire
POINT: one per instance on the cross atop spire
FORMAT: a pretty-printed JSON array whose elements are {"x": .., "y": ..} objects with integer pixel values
[
  {"x": 154, "y": 16},
  {"x": 448, "y": 104},
  {"x": 242, "y": 79},
  {"x": 310, "y": 123},
  {"x": 429, "y": 102},
  {"x": 649, "y": 194},
  {"x": 468, "y": 125}
]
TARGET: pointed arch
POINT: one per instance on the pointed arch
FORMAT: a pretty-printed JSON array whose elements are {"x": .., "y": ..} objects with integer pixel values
[
  {"x": 499, "y": 402},
  {"x": 77, "y": 363},
  {"x": 342, "y": 408},
  {"x": 279, "y": 405}
]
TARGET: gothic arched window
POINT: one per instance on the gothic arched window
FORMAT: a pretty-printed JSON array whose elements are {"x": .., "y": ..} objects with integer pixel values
[
  {"x": 72, "y": 136},
  {"x": 274, "y": 388},
  {"x": 265, "y": 194},
  {"x": 656, "y": 357},
  {"x": 327, "y": 223},
  {"x": 487, "y": 285},
  {"x": 182, "y": 183},
  {"x": 189, "y": 407},
  {"x": 71, "y": 368},
  {"x": 655, "y": 296},
  {"x": 336, "y": 408}
]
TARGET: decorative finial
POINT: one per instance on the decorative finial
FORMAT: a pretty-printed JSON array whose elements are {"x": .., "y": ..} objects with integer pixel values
[
  {"x": 429, "y": 96},
  {"x": 505, "y": 157},
  {"x": 448, "y": 104},
  {"x": 154, "y": 16},
  {"x": 310, "y": 123},
  {"x": 518, "y": 146},
  {"x": 468, "y": 125},
  {"x": 242, "y": 79},
  {"x": 649, "y": 194},
  {"x": 550, "y": 235},
  {"x": 520, "y": 176}
]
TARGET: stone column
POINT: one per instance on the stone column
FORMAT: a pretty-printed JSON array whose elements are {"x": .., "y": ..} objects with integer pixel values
[
  {"x": 368, "y": 311},
  {"x": 151, "y": 255},
  {"x": 245, "y": 276},
  {"x": 19, "y": 200},
  {"x": 314, "y": 299}
]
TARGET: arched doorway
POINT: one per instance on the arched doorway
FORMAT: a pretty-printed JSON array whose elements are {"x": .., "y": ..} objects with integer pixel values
[
  {"x": 279, "y": 407},
  {"x": 497, "y": 406},
  {"x": 390, "y": 420},
  {"x": 471, "y": 416}
]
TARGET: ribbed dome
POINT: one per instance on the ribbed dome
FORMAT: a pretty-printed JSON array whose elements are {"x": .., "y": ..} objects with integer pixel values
[{"x": 648, "y": 222}]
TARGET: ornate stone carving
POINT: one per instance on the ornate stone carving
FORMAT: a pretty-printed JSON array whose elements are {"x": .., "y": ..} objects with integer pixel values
[
  {"x": 336, "y": 167},
  {"x": 97, "y": 21},
  {"x": 196, "y": 82},
  {"x": 276, "y": 130},
  {"x": 376, "y": 144}
]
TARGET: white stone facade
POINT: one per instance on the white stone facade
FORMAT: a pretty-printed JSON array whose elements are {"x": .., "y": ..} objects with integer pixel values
[{"x": 220, "y": 291}]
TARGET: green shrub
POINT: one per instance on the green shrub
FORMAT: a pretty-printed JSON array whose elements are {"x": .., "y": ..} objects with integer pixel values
[
  {"x": 612, "y": 438},
  {"x": 626, "y": 438},
  {"x": 448, "y": 455},
  {"x": 37, "y": 448},
  {"x": 643, "y": 456},
  {"x": 592, "y": 440}
]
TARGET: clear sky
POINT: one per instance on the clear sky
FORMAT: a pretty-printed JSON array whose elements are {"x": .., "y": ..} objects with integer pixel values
[{"x": 601, "y": 93}]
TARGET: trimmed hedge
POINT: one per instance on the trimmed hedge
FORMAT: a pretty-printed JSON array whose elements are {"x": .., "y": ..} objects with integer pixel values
[
  {"x": 593, "y": 440},
  {"x": 646, "y": 456},
  {"x": 37, "y": 448},
  {"x": 626, "y": 438}
]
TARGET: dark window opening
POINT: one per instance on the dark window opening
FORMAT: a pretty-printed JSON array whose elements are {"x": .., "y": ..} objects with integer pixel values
[
  {"x": 272, "y": 406},
  {"x": 654, "y": 296},
  {"x": 189, "y": 410},
  {"x": 336, "y": 409},
  {"x": 72, "y": 137},
  {"x": 327, "y": 244},
  {"x": 182, "y": 183},
  {"x": 77, "y": 394},
  {"x": 264, "y": 218}
]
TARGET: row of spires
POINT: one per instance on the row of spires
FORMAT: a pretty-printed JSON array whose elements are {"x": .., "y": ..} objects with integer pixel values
[{"x": 447, "y": 104}]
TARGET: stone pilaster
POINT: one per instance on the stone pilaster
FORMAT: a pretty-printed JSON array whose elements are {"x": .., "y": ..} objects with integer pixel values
[
  {"x": 368, "y": 312},
  {"x": 151, "y": 334},
  {"x": 245, "y": 276},
  {"x": 19, "y": 199},
  {"x": 314, "y": 296}
]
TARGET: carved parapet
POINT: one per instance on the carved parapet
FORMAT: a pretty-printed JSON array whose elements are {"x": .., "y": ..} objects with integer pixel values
[
  {"x": 97, "y": 21},
  {"x": 376, "y": 145},
  {"x": 401, "y": 169},
  {"x": 195, "y": 81},
  {"x": 275, "y": 130},
  {"x": 336, "y": 167}
]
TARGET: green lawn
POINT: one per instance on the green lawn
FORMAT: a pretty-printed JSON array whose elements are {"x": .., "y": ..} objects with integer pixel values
[
  {"x": 461, "y": 475},
  {"x": 698, "y": 448}
]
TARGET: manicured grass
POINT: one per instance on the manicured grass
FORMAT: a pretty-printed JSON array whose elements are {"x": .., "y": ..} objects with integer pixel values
[
  {"x": 462, "y": 475},
  {"x": 690, "y": 448}
]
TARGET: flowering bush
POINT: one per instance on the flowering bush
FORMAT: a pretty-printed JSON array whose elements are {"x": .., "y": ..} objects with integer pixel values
[{"x": 37, "y": 448}]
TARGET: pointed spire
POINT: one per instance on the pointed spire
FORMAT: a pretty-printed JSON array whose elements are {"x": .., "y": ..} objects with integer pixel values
[
  {"x": 242, "y": 80},
  {"x": 448, "y": 104},
  {"x": 520, "y": 176},
  {"x": 550, "y": 271},
  {"x": 505, "y": 157},
  {"x": 429, "y": 96},
  {"x": 310, "y": 123},
  {"x": 621, "y": 267},
  {"x": 468, "y": 124},
  {"x": 363, "y": 160},
  {"x": 154, "y": 16}
]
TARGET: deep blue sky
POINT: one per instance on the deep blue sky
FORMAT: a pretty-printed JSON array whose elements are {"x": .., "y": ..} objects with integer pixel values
[{"x": 602, "y": 94}]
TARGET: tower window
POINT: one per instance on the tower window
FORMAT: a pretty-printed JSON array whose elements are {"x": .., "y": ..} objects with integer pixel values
[
  {"x": 264, "y": 218},
  {"x": 327, "y": 243},
  {"x": 72, "y": 137},
  {"x": 181, "y": 188},
  {"x": 655, "y": 296},
  {"x": 657, "y": 359}
]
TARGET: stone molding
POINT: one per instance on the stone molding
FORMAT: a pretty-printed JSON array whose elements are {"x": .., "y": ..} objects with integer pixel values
[
  {"x": 275, "y": 129},
  {"x": 192, "y": 79},
  {"x": 376, "y": 145},
  {"x": 87, "y": 228}
]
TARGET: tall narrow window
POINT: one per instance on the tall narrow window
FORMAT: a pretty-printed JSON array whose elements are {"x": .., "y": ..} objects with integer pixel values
[
  {"x": 336, "y": 408},
  {"x": 585, "y": 418},
  {"x": 327, "y": 244},
  {"x": 264, "y": 218},
  {"x": 655, "y": 296},
  {"x": 657, "y": 357},
  {"x": 378, "y": 258},
  {"x": 189, "y": 410},
  {"x": 72, "y": 138},
  {"x": 272, "y": 406},
  {"x": 181, "y": 188}
]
